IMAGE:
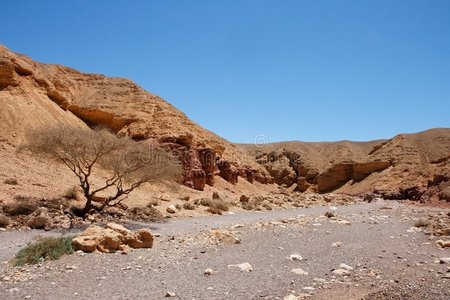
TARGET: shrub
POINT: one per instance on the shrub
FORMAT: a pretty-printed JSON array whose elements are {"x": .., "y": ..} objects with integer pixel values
[
  {"x": 267, "y": 205},
  {"x": 178, "y": 206},
  {"x": 149, "y": 214},
  {"x": 153, "y": 202},
  {"x": 249, "y": 206},
  {"x": 44, "y": 248},
  {"x": 189, "y": 206},
  {"x": 214, "y": 210},
  {"x": 215, "y": 203},
  {"x": 20, "y": 209},
  {"x": 73, "y": 193},
  {"x": 11, "y": 181},
  {"x": 422, "y": 223},
  {"x": 4, "y": 221}
]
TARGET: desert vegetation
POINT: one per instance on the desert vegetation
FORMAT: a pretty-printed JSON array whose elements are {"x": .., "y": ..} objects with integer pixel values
[
  {"x": 88, "y": 153},
  {"x": 44, "y": 248}
]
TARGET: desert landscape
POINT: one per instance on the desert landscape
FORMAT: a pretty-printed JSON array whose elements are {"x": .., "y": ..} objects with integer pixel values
[{"x": 286, "y": 220}]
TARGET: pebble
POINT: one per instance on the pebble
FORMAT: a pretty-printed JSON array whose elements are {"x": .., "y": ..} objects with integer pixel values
[
  {"x": 290, "y": 297},
  {"x": 209, "y": 272},
  {"x": 345, "y": 267},
  {"x": 3, "y": 229},
  {"x": 444, "y": 260},
  {"x": 170, "y": 294},
  {"x": 336, "y": 244},
  {"x": 299, "y": 272},
  {"x": 245, "y": 267},
  {"x": 295, "y": 257},
  {"x": 341, "y": 272}
]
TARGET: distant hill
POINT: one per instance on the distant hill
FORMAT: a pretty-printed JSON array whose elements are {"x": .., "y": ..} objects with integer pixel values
[{"x": 407, "y": 166}]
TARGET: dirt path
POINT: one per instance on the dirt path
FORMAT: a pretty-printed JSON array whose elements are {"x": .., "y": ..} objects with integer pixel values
[{"x": 389, "y": 260}]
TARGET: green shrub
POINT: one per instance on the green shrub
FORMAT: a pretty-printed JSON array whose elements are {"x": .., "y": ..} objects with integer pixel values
[{"x": 44, "y": 248}]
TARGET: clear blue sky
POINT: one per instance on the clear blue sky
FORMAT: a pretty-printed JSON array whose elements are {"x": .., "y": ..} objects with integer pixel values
[{"x": 290, "y": 70}]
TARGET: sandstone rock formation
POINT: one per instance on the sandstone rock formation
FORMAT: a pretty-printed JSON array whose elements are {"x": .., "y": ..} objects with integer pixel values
[
  {"x": 33, "y": 94},
  {"x": 111, "y": 239},
  {"x": 408, "y": 166}
]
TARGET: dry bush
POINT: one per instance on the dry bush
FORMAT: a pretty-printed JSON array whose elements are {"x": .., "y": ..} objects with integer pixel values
[
  {"x": 153, "y": 202},
  {"x": 23, "y": 208},
  {"x": 267, "y": 205},
  {"x": 11, "y": 181},
  {"x": 249, "y": 206},
  {"x": 73, "y": 193},
  {"x": 149, "y": 214},
  {"x": 178, "y": 206},
  {"x": 214, "y": 210},
  {"x": 4, "y": 221},
  {"x": 422, "y": 223},
  {"x": 189, "y": 206},
  {"x": 23, "y": 198},
  {"x": 215, "y": 204},
  {"x": 185, "y": 198},
  {"x": 89, "y": 152}
]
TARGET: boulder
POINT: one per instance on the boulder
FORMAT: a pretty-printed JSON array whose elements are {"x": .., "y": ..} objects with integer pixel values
[
  {"x": 142, "y": 238},
  {"x": 39, "y": 219},
  {"x": 113, "y": 238}
]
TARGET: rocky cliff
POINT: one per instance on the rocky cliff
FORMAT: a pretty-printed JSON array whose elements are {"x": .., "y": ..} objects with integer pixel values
[
  {"x": 34, "y": 94},
  {"x": 408, "y": 166}
]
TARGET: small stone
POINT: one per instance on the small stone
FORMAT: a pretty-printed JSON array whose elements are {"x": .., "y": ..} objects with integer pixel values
[
  {"x": 209, "y": 272},
  {"x": 6, "y": 278},
  {"x": 2, "y": 229},
  {"x": 345, "y": 267},
  {"x": 309, "y": 288},
  {"x": 171, "y": 209},
  {"x": 245, "y": 267},
  {"x": 336, "y": 244},
  {"x": 443, "y": 244},
  {"x": 299, "y": 272},
  {"x": 344, "y": 222},
  {"x": 295, "y": 257},
  {"x": 444, "y": 260},
  {"x": 170, "y": 294},
  {"x": 341, "y": 272},
  {"x": 290, "y": 297}
]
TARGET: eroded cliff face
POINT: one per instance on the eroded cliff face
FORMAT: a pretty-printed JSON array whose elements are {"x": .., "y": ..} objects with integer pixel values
[
  {"x": 35, "y": 94},
  {"x": 408, "y": 166}
]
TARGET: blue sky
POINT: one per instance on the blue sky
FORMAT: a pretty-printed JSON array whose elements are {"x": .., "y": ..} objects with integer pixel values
[{"x": 289, "y": 70}]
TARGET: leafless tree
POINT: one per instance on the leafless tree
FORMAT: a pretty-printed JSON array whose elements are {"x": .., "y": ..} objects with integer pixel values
[{"x": 93, "y": 153}]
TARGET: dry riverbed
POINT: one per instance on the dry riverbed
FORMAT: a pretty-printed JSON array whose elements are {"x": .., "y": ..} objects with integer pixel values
[{"x": 365, "y": 251}]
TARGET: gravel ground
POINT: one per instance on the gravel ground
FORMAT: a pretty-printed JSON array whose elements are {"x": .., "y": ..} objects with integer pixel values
[{"x": 389, "y": 260}]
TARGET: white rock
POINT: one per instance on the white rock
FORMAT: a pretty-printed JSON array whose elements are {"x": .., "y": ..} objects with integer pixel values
[
  {"x": 341, "y": 272},
  {"x": 344, "y": 222},
  {"x": 295, "y": 257},
  {"x": 170, "y": 294},
  {"x": 444, "y": 260},
  {"x": 309, "y": 288},
  {"x": 336, "y": 244},
  {"x": 290, "y": 297},
  {"x": 2, "y": 229},
  {"x": 245, "y": 267},
  {"x": 345, "y": 267},
  {"x": 209, "y": 271},
  {"x": 236, "y": 226},
  {"x": 333, "y": 208},
  {"x": 299, "y": 272}
]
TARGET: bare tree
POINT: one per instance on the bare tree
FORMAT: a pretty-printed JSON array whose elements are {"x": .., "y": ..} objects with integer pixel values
[{"x": 93, "y": 153}]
